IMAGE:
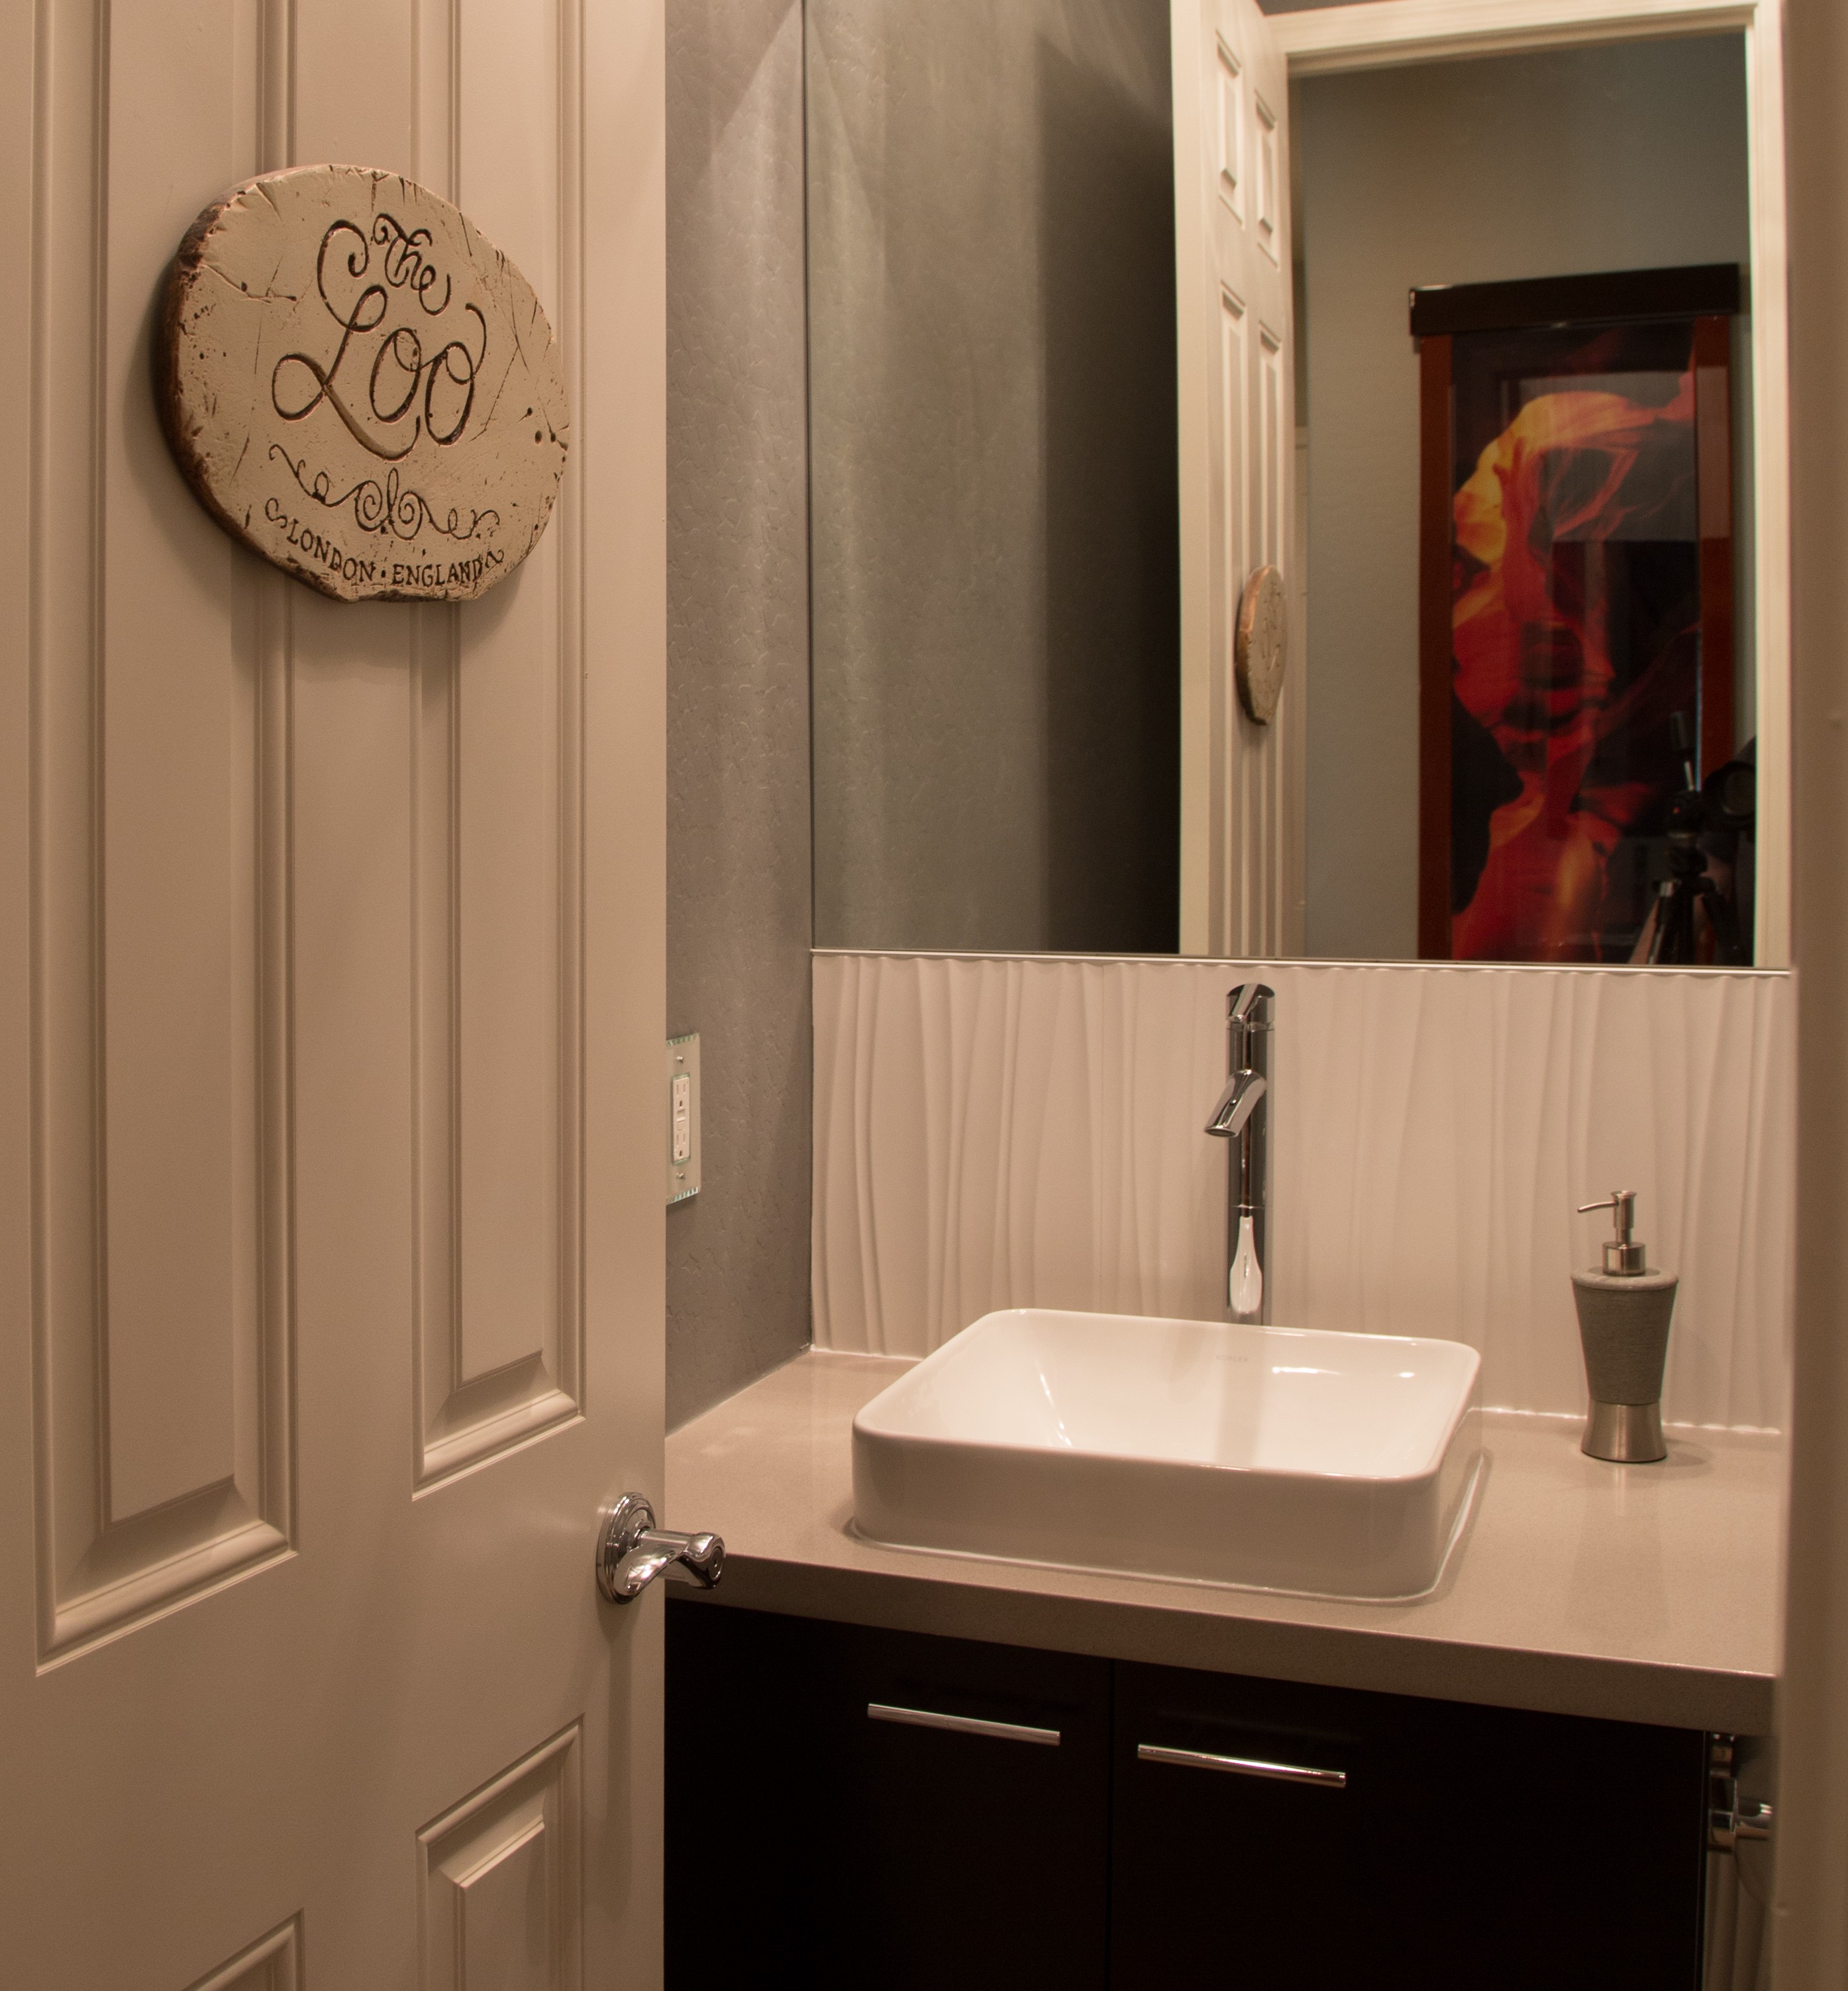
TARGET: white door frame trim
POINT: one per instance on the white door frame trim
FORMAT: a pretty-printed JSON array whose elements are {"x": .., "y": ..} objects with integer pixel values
[{"x": 1380, "y": 34}]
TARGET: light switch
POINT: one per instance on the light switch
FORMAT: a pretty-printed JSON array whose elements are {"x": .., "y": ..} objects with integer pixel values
[{"x": 682, "y": 1117}]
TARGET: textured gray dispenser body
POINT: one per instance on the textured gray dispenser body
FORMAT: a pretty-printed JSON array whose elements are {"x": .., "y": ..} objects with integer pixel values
[{"x": 1623, "y": 1323}]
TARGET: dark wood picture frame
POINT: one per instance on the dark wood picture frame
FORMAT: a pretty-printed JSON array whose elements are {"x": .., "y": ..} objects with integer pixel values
[{"x": 1707, "y": 296}]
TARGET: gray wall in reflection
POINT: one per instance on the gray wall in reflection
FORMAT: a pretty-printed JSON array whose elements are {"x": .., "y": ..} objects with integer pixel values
[
  {"x": 995, "y": 594},
  {"x": 1626, "y": 156}
]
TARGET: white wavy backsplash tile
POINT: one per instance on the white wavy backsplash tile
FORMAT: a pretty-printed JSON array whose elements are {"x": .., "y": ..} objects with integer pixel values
[{"x": 993, "y": 1132}]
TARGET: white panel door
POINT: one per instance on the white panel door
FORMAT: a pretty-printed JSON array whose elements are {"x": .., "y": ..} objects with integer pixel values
[
  {"x": 1241, "y": 781},
  {"x": 331, "y": 1013}
]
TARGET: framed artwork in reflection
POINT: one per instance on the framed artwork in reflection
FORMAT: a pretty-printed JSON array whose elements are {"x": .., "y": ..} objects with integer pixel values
[{"x": 1584, "y": 793}]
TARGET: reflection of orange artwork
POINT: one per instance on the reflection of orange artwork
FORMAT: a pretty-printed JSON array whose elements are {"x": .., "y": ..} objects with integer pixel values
[{"x": 1570, "y": 486}]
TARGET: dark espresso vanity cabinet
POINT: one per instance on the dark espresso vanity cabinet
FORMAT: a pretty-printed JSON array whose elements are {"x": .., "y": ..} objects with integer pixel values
[
  {"x": 810, "y": 1843},
  {"x": 848, "y": 1806},
  {"x": 1387, "y": 1839}
]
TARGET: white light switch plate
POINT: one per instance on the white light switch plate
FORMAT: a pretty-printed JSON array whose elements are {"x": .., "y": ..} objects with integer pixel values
[{"x": 682, "y": 1117}]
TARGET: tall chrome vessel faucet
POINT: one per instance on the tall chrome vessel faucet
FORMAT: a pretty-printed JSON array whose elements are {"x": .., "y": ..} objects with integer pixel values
[{"x": 1244, "y": 1114}]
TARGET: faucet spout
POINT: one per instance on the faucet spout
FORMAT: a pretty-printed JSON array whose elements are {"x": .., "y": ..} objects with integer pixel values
[{"x": 1237, "y": 1104}]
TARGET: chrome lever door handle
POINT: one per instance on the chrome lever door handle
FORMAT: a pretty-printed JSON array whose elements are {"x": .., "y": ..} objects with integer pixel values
[{"x": 631, "y": 1552}]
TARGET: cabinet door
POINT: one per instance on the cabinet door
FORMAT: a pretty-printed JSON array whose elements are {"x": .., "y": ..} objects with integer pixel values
[
  {"x": 751, "y": 1774},
  {"x": 1243, "y": 1812},
  {"x": 1464, "y": 1847},
  {"x": 1539, "y": 1850},
  {"x": 974, "y": 1854},
  {"x": 880, "y": 1808}
]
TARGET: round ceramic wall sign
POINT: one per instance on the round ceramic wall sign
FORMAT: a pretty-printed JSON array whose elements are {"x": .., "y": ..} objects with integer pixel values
[
  {"x": 361, "y": 387},
  {"x": 1260, "y": 644}
]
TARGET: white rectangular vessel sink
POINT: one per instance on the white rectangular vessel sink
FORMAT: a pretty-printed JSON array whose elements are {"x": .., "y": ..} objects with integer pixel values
[{"x": 1288, "y": 1458}]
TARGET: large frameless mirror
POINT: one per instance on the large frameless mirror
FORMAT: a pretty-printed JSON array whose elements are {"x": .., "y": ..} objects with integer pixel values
[{"x": 1182, "y": 582}]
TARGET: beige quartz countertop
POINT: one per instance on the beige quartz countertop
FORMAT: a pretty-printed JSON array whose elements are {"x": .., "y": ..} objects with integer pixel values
[{"x": 1638, "y": 1593}]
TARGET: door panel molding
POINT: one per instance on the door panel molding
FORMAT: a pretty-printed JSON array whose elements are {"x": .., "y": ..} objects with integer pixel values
[
  {"x": 160, "y": 662},
  {"x": 273, "y": 1963},
  {"x": 498, "y": 746},
  {"x": 499, "y": 1880}
]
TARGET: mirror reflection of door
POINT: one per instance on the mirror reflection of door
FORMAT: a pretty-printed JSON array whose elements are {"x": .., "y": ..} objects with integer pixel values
[{"x": 1241, "y": 771}]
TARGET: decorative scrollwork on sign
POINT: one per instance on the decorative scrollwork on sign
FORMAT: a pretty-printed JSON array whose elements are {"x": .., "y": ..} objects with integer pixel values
[
  {"x": 390, "y": 507},
  {"x": 344, "y": 340}
]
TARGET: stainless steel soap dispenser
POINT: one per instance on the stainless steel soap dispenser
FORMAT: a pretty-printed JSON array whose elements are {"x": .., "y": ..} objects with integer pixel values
[{"x": 1623, "y": 1323}]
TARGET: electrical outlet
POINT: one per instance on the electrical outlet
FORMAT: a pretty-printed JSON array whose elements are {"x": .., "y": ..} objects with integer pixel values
[{"x": 682, "y": 1117}]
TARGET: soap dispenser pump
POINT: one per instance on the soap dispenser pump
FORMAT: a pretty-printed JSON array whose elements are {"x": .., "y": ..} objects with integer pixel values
[{"x": 1623, "y": 1324}]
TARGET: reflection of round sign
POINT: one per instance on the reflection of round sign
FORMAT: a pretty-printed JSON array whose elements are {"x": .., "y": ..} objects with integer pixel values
[
  {"x": 1261, "y": 648},
  {"x": 359, "y": 386}
]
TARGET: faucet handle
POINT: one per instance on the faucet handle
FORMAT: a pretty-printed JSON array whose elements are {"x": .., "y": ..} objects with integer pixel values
[{"x": 1248, "y": 1006}]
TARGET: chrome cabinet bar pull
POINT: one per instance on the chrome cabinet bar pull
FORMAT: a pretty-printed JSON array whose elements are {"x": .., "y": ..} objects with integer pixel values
[
  {"x": 1244, "y": 1766},
  {"x": 962, "y": 1724}
]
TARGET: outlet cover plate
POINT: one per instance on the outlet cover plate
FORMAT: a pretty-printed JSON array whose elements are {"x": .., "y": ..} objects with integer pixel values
[{"x": 682, "y": 1102}]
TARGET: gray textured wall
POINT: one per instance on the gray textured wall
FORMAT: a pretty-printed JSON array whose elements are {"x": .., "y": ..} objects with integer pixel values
[
  {"x": 1626, "y": 156},
  {"x": 992, "y": 389},
  {"x": 1812, "y": 1928},
  {"x": 737, "y": 730}
]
